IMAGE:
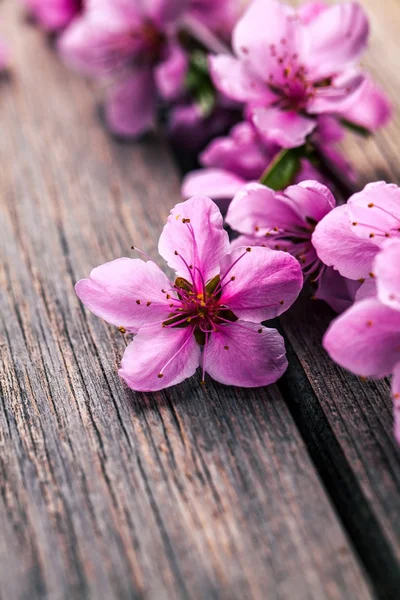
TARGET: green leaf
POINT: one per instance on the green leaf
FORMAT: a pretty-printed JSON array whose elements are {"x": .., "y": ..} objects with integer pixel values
[
  {"x": 359, "y": 129},
  {"x": 283, "y": 169}
]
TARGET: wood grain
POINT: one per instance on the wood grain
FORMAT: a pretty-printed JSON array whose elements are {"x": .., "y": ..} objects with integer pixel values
[{"x": 188, "y": 493}]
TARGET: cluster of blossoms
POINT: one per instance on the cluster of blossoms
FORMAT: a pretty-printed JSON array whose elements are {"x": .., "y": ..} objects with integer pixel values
[
  {"x": 271, "y": 90},
  {"x": 289, "y": 90}
]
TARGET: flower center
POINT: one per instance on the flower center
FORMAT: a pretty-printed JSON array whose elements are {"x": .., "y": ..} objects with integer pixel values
[{"x": 202, "y": 311}]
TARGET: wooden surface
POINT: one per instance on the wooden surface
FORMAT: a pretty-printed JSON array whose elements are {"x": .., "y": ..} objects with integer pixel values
[{"x": 285, "y": 492}]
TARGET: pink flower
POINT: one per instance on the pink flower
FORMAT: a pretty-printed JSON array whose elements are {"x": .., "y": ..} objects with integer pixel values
[
  {"x": 135, "y": 45},
  {"x": 53, "y": 15},
  {"x": 209, "y": 317},
  {"x": 292, "y": 66},
  {"x": 349, "y": 238},
  {"x": 286, "y": 221},
  {"x": 366, "y": 338}
]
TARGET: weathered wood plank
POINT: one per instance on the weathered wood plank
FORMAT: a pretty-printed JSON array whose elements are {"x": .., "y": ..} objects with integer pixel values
[{"x": 104, "y": 493}]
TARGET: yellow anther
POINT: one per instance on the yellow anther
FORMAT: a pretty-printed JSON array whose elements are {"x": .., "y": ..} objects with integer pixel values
[
  {"x": 122, "y": 329},
  {"x": 371, "y": 205}
]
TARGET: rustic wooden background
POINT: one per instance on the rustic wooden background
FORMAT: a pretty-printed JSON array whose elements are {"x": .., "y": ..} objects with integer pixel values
[{"x": 292, "y": 491}]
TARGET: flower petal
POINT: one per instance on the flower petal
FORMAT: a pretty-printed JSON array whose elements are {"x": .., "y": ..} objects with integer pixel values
[
  {"x": 149, "y": 354},
  {"x": 376, "y": 212},
  {"x": 370, "y": 107},
  {"x": 99, "y": 42},
  {"x": 113, "y": 290},
  {"x": 387, "y": 270},
  {"x": 396, "y": 400},
  {"x": 365, "y": 339},
  {"x": 337, "y": 37},
  {"x": 265, "y": 32},
  {"x": 130, "y": 108},
  {"x": 241, "y": 152},
  {"x": 310, "y": 199},
  {"x": 257, "y": 210},
  {"x": 265, "y": 283},
  {"x": 170, "y": 73},
  {"x": 289, "y": 129},
  {"x": 194, "y": 233},
  {"x": 231, "y": 77},
  {"x": 337, "y": 291},
  {"x": 338, "y": 246},
  {"x": 217, "y": 184},
  {"x": 245, "y": 354}
]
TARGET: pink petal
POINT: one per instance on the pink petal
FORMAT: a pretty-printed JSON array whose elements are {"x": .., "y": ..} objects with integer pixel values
[
  {"x": 367, "y": 290},
  {"x": 338, "y": 96},
  {"x": 99, "y": 42},
  {"x": 242, "y": 152},
  {"x": 387, "y": 270},
  {"x": 217, "y": 184},
  {"x": 365, "y": 339},
  {"x": 53, "y": 15},
  {"x": 267, "y": 30},
  {"x": 256, "y": 209},
  {"x": 169, "y": 74},
  {"x": 247, "y": 240},
  {"x": 310, "y": 11},
  {"x": 148, "y": 355},
  {"x": 231, "y": 77},
  {"x": 239, "y": 355},
  {"x": 310, "y": 199},
  {"x": 376, "y": 210},
  {"x": 131, "y": 105},
  {"x": 370, "y": 106},
  {"x": 195, "y": 231},
  {"x": 338, "y": 246},
  {"x": 396, "y": 400},
  {"x": 164, "y": 12},
  {"x": 337, "y": 38},
  {"x": 266, "y": 283},
  {"x": 113, "y": 289},
  {"x": 288, "y": 129},
  {"x": 337, "y": 291}
]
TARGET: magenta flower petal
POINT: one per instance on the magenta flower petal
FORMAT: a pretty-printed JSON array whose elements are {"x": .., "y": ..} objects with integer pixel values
[
  {"x": 194, "y": 237},
  {"x": 375, "y": 212},
  {"x": 158, "y": 358},
  {"x": 241, "y": 152},
  {"x": 289, "y": 129},
  {"x": 262, "y": 284},
  {"x": 387, "y": 271},
  {"x": 54, "y": 14},
  {"x": 99, "y": 42},
  {"x": 217, "y": 184},
  {"x": 235, "y": 81},
  {"x": 367, "y": 290},
  {"x": 337, "y": 38},
  {"x": 365, "y": 339},
  {"x": 170, "y": 73},
  {"x": 396, "y": 400},
  {"x": 370, "y": 106},
  {"x": 338, "y": 246},
  {"x": 126, "y": 292},
  {"x": 246, "y": 355},
  {"x": 130, "y": 108},
  {"x": 163, "y": 12},
  {"x": 264, "y": 26},
  {"x": 257, "y": 210},
  {"x": 310, "y": 199},
  {"x": 337, "y": 291}
]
